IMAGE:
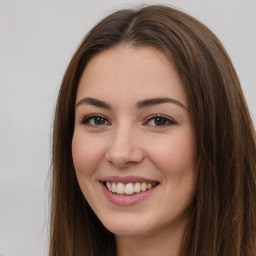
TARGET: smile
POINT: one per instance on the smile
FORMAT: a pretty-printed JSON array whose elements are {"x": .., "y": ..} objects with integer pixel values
[{"x": 129, "y": 189}]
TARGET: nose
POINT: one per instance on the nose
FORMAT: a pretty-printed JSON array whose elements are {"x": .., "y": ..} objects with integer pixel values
[{"x": 124, "y": 148}]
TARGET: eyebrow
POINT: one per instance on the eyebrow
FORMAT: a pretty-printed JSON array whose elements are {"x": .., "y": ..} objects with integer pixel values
[
  {"x": 139, "y": 105},
  {"x": 94, "y": 102},
  {"x": 156, "y": 101}
]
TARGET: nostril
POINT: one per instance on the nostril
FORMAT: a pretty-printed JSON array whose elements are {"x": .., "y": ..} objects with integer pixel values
[{"x": 124, "y": 157}]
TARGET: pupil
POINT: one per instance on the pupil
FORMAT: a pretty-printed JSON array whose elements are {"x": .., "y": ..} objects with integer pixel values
[
  {"x": 99, "y": 120},
  {"x": 160, "y": 121}
]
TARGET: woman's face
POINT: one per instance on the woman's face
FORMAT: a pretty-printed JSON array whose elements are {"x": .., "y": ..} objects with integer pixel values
[{"x": 133, "y": 145}]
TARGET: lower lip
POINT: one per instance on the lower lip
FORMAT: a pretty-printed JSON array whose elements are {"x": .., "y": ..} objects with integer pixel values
[{"x": 126, "y": 200}]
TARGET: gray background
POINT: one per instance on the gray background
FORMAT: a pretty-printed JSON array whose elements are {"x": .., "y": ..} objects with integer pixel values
[{"x": 37, "y": 40}]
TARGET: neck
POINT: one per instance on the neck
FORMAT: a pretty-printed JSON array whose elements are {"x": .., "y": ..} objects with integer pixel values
[{"x": 166, "y": 243}]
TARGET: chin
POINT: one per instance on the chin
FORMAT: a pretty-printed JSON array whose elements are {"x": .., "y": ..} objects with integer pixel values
[
  {"x": 128, "y": 227},
  {"x": 128, "y": 231}
]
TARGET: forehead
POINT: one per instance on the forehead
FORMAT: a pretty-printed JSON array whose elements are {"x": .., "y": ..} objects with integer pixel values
[{"x": 131, "y": 72}]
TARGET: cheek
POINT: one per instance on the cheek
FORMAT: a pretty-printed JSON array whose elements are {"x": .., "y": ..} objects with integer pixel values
[
  {"x": 175, "y": 154},
  {"x": 87, "y": 154},
  {"x": 176, "y": 160}
]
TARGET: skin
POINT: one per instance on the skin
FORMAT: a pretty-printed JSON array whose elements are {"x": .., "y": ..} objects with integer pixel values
[{"x": 128, "y": 141}]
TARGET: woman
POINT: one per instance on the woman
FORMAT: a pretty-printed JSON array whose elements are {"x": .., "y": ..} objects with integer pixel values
[{"x": 153, "y": 146}]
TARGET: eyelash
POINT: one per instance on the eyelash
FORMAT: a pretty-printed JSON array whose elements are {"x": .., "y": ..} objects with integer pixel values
[
  {"x": 166, "y": 120},
  {"x": 86, "y": 120}
]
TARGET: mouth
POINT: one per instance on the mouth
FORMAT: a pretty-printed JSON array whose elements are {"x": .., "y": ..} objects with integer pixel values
[
  {"x": 128, "y": 191},
  {"x": 130, "y": 188}
]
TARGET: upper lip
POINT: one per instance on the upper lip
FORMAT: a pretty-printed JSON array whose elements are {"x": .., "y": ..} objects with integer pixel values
[{"x": 127, "y": 179}]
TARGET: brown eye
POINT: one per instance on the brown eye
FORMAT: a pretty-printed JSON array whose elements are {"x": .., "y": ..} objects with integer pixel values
[
  {"x": 159, "y": 121},
  {"x": 98, "y": 120},
  {"x": 95, "y": 120}
]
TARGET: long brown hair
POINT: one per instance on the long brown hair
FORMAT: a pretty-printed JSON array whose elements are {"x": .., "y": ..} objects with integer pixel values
[{"x": 223, "y": 215}]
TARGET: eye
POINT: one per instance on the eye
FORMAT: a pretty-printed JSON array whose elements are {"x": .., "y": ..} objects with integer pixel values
[
  {"x": 95, "y": 120},
  {"x": 159, "y": 121}
]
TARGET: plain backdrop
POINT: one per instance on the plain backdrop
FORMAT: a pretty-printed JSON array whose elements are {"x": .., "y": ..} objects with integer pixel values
[{"x": 37, "y": 40}]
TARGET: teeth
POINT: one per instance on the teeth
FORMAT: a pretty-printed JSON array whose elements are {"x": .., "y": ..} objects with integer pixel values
[
  {"x": 109, "y": 186},
  {"x": 114, "y": 190},
  {"x": 129, "y": 188},
  {"x": 120, "y": 188},
  {"x": 149, "y": 186},
  {"x": 143, "y": 187},
  {"x": 137, "y": 188}
]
